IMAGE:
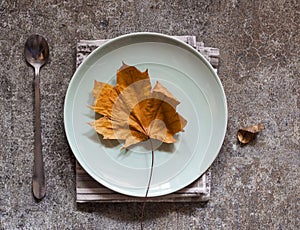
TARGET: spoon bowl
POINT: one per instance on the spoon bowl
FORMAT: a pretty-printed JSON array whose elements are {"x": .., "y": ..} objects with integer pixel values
[
  {"x": 37, "y": 54},
  {"x": 36, "y": 50}
]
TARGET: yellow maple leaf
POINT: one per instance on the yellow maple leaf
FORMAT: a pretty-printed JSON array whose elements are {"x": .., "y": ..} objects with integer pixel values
[{"x": 134, "y": 112}]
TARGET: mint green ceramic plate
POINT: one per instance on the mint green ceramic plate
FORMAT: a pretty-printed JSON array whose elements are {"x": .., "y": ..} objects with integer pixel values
[{"x": 188, "y": 76}]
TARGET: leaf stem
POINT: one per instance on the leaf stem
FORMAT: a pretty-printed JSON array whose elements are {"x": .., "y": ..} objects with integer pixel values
[{"x": 149, "y": 182}]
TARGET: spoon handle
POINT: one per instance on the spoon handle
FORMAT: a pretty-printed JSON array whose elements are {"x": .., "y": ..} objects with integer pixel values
[{"x": 38, "y": 178}]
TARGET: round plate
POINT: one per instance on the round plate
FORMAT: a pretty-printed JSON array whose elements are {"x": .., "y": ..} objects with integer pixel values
[{"x": 188, "y": 76}]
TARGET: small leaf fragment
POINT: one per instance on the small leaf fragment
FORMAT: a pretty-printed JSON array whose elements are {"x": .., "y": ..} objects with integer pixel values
[{"x": 247, "y": 134}]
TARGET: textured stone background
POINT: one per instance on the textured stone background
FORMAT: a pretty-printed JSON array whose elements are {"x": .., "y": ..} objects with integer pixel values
[{"x": 253, "y": 187}]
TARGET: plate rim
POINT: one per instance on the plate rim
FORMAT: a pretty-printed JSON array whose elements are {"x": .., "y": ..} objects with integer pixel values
[{"x": 164, "y": 36}]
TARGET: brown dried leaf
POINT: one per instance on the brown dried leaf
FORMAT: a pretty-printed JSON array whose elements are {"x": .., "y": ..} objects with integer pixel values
[
  {"x": 133, "y": 111},
  {"x": 246, "y": 135}
]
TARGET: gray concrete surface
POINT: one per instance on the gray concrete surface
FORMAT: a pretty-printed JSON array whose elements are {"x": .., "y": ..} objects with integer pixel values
[{"x": 253, "y": 187}]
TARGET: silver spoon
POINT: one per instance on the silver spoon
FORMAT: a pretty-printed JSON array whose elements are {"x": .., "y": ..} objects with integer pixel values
[{"x": 37, "y": 54}]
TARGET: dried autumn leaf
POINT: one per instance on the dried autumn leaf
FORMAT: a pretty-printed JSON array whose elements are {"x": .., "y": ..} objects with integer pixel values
[
  {"x": 133, "y": 111},
  {"x": 245, "y": 135}
]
